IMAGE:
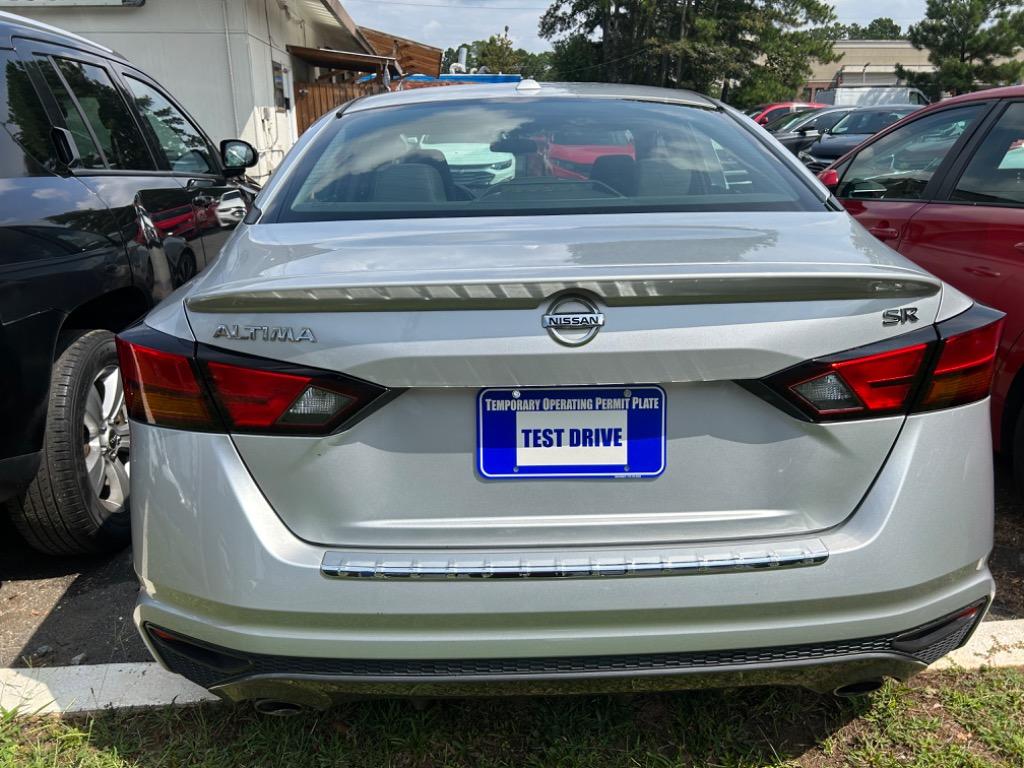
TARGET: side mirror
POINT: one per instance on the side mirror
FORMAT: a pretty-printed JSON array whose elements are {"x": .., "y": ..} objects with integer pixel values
[
  {"x": 830, "y": 178},
  {"x": 237, "y": 155},
  {"x": 808, "y": 132}
]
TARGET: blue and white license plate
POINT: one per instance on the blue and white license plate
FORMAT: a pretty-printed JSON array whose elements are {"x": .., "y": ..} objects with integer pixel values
[{"x": 580, "y": 432}]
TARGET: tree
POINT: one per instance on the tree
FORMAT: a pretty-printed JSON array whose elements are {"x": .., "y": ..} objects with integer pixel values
[
  {"x": 497, "y": 54},
  {"x": 971, "y": 43},
  {"x": 882, "y": 28},
  {"x": 744, "y": 50}
]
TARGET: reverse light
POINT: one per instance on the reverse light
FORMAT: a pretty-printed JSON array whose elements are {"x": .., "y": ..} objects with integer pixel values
[
  {"x": 254, "y": 400},
  {"x": 942, "y": 366},
  {"x": 173, "y": 383}
]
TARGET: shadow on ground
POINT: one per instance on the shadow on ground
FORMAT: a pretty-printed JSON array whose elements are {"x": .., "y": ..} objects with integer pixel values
[
  {"x": 58, "y": 611},
  {"x": 759, "y": 726}
]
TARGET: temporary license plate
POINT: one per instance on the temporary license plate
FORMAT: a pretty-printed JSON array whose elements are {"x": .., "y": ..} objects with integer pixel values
[{"x": 582, "y": 432}]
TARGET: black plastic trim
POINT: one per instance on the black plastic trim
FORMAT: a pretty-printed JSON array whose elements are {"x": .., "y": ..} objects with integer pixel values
[{"x": 204, "y": 663}]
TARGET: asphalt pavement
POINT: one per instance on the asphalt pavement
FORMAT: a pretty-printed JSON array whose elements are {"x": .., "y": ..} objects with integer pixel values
[{"x": 59, "y": 612}]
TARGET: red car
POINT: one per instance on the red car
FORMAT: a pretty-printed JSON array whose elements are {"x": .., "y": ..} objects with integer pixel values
[
  {"x": 765, "y": 113},
  {"x": 945, "y": 187},
  {"x": 571, "y": 155}
]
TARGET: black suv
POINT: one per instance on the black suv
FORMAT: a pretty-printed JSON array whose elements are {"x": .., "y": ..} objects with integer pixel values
[{"x": 110, "y": 198}]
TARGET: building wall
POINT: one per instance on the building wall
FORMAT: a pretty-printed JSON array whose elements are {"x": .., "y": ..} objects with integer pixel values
[
  {"x": 214, "y": 56},
  {"x": 878, "y": 53}
]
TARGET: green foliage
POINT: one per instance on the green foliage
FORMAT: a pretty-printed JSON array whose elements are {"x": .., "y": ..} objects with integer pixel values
[
  {"x": 882, "y": 28},
  {"x": 498, "y": 54},
  {"x": 742, "y": 50},
  {"x": 971, "y": 43}
]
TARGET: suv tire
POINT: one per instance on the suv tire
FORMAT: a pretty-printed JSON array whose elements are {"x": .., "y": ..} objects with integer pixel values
[{"x": 78, "y": 501}]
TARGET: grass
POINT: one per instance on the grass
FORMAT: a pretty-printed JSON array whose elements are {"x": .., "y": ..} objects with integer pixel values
[{"x": 949, "y": 719}]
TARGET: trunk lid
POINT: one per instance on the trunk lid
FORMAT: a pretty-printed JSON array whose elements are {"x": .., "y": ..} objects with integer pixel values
[{"x": 446, "y": 308}]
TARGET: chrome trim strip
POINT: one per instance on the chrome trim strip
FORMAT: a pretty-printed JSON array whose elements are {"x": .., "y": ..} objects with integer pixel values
[
  {"x": 293, "y": 296},
  {"x": 437, "y": 567}
]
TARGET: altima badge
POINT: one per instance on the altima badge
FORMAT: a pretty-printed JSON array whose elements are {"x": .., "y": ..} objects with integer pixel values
[
  {"x": 573, "y": 320},
  {"x": 263, "y": 333}
]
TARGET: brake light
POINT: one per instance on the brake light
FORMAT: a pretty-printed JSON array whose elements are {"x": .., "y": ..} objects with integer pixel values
[
  {"x": 172, "y": 383},
  {"x": 257, "y": 400},
  {"x": 964, "y": 370},
  {"x": 161, "y": 387},
  {"x": 940, "y": 367}
]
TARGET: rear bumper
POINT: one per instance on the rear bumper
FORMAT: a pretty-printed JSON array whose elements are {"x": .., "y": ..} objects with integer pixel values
[
  {"x": 319, "y": 682},
  {"x": 218, "y": 566}
]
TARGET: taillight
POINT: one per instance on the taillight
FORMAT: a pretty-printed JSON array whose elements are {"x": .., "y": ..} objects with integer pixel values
[
  {"x": 965, "y": 367},
  {"x": 255, "y": 400},
  {"x": 939, "y": 367},
  {"x": 161, "y": 386},
  {"x": 172, "y": 383}
]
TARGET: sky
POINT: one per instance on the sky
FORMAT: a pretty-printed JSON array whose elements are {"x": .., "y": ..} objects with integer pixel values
[{"x": 446, "y": 23}]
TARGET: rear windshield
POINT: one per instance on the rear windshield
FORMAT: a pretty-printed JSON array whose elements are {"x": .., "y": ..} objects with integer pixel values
[
  {"x": 869, "y": 123},
  {"x": 536, "y": 156}
]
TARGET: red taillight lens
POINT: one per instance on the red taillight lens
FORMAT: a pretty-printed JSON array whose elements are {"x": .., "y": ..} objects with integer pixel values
[
  {"x": 964, "y": 370},
  {"x": 161, "y": 387},
  {"x": 879, "y": 383},
  {"x": 256, "y": 400},
  {"x": 173, "y": 383},
  {"x": 940, "y": 367}
]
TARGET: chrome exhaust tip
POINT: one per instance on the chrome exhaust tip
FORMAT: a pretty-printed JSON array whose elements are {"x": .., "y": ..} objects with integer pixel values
[
  {"x": 862, "y": 688},
  {"x": 276, "y": 708}
]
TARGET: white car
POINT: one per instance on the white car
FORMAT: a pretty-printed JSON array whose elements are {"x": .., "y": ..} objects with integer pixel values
[{"x": 645, "y": 429}]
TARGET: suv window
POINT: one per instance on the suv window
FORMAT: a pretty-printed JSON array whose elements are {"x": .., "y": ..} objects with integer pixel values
[
  {"x": 105, "y": 132},
  {"x": 23, "y": 117},
  {"x": 504, "y": 157},
  {"x": 900, "y": 165},
  {"x": 184, "y": 147},
  {"x": 995, "y": 175}
]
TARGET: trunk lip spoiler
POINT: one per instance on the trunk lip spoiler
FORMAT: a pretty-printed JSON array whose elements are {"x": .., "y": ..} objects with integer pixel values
[{"x": 299, "y": 294}]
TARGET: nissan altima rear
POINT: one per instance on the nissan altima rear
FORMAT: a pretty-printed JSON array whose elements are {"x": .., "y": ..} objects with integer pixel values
[{"x": 675, "y": 421}]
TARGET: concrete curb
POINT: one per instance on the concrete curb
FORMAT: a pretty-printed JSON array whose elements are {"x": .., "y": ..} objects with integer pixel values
[
  {"x": 90, "y": 688},
  {"x": 994, "y": 644}
]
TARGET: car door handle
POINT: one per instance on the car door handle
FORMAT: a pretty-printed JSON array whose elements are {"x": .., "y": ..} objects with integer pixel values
[
  {"x": 982, "y": 271},
  {"x": 1019, "y": 246},
  {"x": 885, "y": 233}
]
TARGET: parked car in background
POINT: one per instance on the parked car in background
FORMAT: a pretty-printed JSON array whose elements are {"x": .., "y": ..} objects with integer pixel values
[
  {"x": 765, "y": 113},
  {"x": 648, "y": 429},
  {"x": 571, "y": 153},
  {"x": 945, "y": 188},
  {"x": 796, "y": 136},
  {"x": 785, "y": 121},
  {"x": 872, "y": 95},
  {"x": 860, "y": 124},
  {"x": 108, "y": 203}
]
